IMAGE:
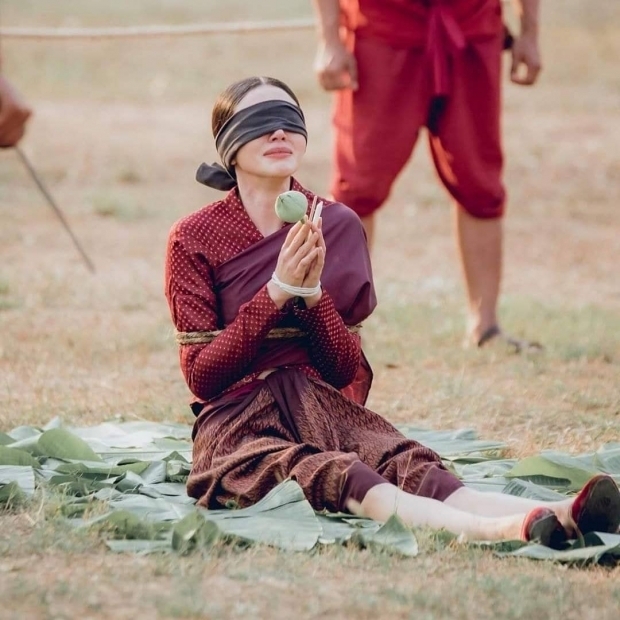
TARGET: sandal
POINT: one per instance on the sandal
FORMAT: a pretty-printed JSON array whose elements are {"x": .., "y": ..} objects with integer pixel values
[{"x": 514, "y": 344}]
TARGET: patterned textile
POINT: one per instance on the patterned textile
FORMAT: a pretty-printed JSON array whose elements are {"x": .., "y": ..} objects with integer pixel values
[
  {"x": 253, "y": 432},
  {"x": 293, "y": 426},
  {"x": 217, "y": 267}
]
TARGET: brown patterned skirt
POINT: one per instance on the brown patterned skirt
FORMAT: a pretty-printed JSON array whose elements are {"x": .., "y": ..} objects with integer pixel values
[{"x": 292, "y": 426}]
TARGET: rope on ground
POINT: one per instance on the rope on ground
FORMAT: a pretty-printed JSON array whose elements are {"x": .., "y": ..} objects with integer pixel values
[{"x": 156, "y": 31}]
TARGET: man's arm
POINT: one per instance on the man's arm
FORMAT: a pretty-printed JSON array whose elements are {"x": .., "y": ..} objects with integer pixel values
[
  {"x": 525, "y": 51},
  {"x": 13, "y": 113},
  {"x": 334, "y": 65}
]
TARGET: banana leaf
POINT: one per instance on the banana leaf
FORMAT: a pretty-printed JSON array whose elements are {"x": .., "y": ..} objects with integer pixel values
[
  {"x": 14, "y": 456},
  {"x": 553, "y": 469},
  {"x": 16, "y": 477},
  {"x": 393, "y": 536}
]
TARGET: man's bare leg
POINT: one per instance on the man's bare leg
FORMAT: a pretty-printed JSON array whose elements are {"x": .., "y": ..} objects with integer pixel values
[
  {"x": 368, "y": 222},
  {"x": 479, "y": 243}
]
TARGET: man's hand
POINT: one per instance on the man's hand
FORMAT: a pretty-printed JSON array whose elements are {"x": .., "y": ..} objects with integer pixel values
[
  {"x": 525, "y": 54},
  {"x": 335, "y": 66},
  {"x": 525, "y": 59},
  {"x": 13, "y": 115}
]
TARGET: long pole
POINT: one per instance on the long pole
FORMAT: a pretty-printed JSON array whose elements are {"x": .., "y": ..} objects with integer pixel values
[{"x": 55, "y": 208}]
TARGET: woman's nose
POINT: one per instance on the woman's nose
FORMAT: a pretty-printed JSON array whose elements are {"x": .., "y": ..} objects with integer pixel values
[{"x": 278, "y": 134}]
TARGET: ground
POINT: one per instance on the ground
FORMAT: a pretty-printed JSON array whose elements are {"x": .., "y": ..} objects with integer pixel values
[{"x": 118, "y": 131}]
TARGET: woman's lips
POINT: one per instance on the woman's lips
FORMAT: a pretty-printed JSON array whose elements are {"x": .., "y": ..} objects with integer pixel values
[{"x": 278, "y": 152}]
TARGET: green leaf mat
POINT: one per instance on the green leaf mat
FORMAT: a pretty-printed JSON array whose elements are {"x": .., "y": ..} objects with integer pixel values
[{"x": 128, "y": 479}]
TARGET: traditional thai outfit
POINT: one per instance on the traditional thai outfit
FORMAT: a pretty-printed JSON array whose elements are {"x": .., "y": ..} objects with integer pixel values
[
  {"x": 307, "y": 419},
  {"x": 433, "y": 63}
]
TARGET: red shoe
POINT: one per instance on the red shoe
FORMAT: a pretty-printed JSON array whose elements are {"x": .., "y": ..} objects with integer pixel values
[
  {"x": 597, "y": 506},
  {"x": 542, "y": 525}
]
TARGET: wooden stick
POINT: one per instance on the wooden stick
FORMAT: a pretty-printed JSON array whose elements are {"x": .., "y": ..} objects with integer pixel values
[
  {"x": 313, "y": 207},
  {"x": 55, "y": 208},
  {"x": 317, "y": 213}
]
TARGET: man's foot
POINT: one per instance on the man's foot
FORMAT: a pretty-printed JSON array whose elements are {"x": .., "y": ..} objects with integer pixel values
[
  {"x": 494, "y": 335},
  {"x": 597, "y": 506}
]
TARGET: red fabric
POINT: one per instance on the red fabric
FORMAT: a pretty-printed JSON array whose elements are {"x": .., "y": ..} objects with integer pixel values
[
  {"x": 215, "y": 250},
  {"x": 405, "y": 23},
  {"x": 289, "y": 426},
  {"x": 453, "y": 90}
]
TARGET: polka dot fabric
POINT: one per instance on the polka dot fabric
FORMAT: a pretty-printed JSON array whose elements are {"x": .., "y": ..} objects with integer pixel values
[
  {"x": 334, "y": 351},
  {"x": 198, "y": 244}
]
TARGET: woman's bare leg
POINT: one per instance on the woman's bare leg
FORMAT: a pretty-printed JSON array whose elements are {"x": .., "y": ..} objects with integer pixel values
[
  {"x": 490, "y": 504},
  {"x": 383, "y": 500}
]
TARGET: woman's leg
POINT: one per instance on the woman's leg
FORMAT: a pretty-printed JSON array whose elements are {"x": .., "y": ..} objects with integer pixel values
[
  {"x": 491, "y": 504},
  {"x": 595, "y": 508},
  {"x": 383, "y": 500}
]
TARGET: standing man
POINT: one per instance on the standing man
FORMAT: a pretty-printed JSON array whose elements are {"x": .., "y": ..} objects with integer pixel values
[
  {"x": 13, "y": 113},
  {"x": 400, "y": 65}
]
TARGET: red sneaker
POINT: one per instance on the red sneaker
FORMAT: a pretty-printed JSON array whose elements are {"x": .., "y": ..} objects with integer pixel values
[
  {"x": 542, "y": 525},
  {"x": 597, "y": 506}
]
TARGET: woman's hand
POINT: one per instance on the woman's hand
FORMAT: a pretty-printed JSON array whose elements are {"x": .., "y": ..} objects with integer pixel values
[
  {"x": 299, "y": 252},
  {"x": 313, "y": 275}
]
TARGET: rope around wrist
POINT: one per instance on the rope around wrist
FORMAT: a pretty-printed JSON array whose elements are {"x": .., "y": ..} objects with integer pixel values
[{"x": 297, "y": 291}]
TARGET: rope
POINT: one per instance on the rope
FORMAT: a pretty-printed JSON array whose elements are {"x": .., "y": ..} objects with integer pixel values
[
  {"x": 155, "y": 31},
  {"x": 298, "y": 291},
  {"x": 277, "y": 333}
]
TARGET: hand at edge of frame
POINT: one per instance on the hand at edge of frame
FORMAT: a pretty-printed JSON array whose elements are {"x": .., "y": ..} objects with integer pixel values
[{"x": 14, "y": 113}]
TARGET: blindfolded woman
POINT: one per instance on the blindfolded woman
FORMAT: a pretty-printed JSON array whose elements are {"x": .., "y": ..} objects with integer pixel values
[{"x": 268, "y": 315}]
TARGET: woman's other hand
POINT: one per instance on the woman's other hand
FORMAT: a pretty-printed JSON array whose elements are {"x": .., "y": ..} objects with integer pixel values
[
  {"x": 313, "y": 275},
  {"x": 299, "y": 252}
]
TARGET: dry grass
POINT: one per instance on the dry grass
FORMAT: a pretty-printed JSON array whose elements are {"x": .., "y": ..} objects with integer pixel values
[{"x": 118, "y": 132}]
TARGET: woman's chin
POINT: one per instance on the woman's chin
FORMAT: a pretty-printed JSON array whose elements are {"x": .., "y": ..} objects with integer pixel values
[
  {"x": 273, "y": 170},
  {"x": 281, "y": 169}
]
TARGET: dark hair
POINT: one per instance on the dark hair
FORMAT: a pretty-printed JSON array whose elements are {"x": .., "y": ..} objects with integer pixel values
[{"x": 228, "y": 100}]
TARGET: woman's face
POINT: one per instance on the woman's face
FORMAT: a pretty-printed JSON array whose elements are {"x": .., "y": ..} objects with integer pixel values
[{"x": 277, "y": 154}]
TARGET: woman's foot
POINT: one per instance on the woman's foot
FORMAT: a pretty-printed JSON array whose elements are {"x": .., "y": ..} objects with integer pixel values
[
  {"x": 541, "y": 525},
  {"x": 597, "y": 506}
]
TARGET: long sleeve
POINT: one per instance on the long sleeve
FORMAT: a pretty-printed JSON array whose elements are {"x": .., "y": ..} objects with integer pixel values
[
  {"x": 334, "y": 351},
  {"x": 211, "y": 368}
]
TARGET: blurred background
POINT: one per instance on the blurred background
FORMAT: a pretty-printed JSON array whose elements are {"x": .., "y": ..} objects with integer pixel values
[{"x": 121, "y": 125}]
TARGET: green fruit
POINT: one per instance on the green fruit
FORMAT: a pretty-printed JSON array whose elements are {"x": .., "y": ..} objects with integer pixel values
[{"x": 291, "y": 206}]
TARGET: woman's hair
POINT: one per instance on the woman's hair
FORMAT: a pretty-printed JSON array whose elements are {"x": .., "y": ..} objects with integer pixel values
[{"x": 228, "y": 100}]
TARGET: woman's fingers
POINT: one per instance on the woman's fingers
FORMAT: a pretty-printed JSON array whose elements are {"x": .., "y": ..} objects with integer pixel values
[
  {"x": 315, "y": 269},
  {"x": 292, "y": 234},
  {"x": 305, "y": 263},
  {"x": 321, "y": 238},
  {"x": 303, "y": 254}
]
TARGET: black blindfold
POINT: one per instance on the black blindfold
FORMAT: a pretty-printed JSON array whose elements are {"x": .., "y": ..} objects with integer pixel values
[{"x": 246, "y": 125}]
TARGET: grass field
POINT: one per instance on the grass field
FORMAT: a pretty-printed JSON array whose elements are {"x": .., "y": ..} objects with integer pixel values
[{"x": 118, "y": 131}]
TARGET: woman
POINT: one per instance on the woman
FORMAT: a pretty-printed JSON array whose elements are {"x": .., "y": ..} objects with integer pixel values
[{"x": 267, "y": 317}]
